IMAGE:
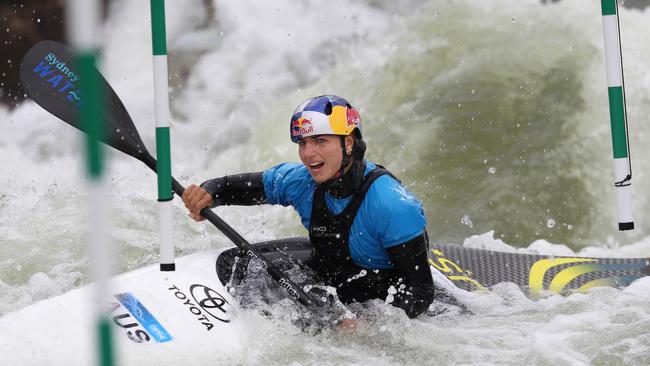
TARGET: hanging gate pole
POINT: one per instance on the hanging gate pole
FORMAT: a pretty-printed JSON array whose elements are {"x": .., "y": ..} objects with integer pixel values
[
  {"x": 618, "y": 115},
  {"x": 83, "y": 26},
  {"x": 163, "y": 149}
]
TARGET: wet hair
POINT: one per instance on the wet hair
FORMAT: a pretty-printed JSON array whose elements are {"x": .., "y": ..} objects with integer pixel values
[{"x": 359, "y": 148}]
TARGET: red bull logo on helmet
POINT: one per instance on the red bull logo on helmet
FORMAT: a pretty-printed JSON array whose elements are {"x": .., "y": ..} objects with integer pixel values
[
  {"x": 353, "y": 118},
  {"x": 301, "y": 127}
]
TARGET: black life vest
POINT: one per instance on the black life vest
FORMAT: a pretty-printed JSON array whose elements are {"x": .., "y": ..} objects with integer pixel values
[{"x": 330, "y": 235}]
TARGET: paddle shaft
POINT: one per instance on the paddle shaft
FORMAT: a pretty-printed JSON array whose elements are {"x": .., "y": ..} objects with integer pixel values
[
  {"x": 294, "y": 290},
  {"x": 54, "y": 89}
]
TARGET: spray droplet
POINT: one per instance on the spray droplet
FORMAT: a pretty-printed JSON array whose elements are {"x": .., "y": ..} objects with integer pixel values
[
  {"x": 550, "y": 223},
  {"x": 466, "y": 221}
]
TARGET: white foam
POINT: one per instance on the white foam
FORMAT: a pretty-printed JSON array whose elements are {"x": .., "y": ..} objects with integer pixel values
[{"x": 252, "y": 66}]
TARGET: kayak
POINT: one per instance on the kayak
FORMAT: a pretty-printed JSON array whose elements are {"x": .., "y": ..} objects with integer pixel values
[
  {"x": 155, "y": 314},
  {"x": 159, "y": 316}
]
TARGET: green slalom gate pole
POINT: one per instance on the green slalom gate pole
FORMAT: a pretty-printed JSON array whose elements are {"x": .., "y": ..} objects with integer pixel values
[
  {"x": 83, "y": 25},
  {"x": 163, "y": 150},
  {"x": 618, "y": 115}
]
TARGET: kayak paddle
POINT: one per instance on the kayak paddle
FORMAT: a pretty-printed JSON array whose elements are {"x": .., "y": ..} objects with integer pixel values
[{"x": 48, "y": 76}]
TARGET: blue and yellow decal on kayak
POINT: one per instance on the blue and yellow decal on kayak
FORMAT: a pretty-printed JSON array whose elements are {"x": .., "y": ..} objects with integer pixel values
[
  {"x": 475, "y": 269},
  {"x": 584, "y": 273}
]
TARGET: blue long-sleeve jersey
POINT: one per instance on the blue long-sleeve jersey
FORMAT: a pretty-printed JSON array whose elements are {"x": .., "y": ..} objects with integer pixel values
[{"x": 389, "y": 215}]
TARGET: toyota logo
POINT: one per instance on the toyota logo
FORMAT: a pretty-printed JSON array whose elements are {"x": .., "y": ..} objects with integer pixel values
[{"x": 210, "y": 301}]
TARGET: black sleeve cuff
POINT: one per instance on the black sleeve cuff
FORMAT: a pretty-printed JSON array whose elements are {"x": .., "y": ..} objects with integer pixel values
[
  {"x": 244, "y": 189},
  {"x": 410, "y": 258}
]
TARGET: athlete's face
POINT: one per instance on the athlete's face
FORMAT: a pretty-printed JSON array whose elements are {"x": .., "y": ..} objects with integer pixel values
[{"x": 322, "y": 156}]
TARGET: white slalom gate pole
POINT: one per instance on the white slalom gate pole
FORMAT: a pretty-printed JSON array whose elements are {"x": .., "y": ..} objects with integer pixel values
[
  {"x": 618, "y": 115},
  {"x": 83, "y": 26},
  {"x": 163, "y": 145}
]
